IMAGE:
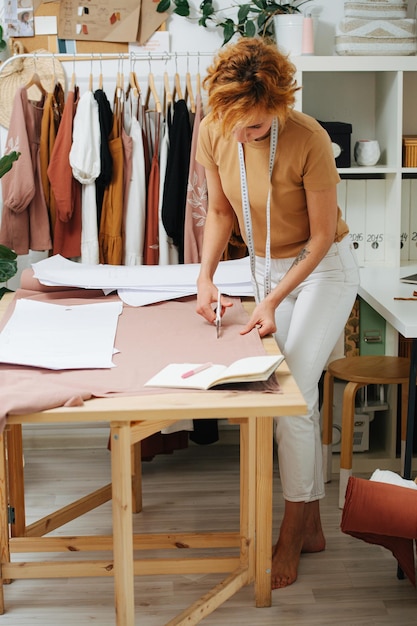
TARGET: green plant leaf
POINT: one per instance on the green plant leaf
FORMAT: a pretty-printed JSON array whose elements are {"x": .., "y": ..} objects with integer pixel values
[
  {"x": 263, "y": 21},
  {"x": 203, "y": 21},
  {"x": 7, "y": 161},
  {"x": 207, "y": 9},
  {"x": 3, "y": 44},
  {"x": 207, "y": 5},
  {"x": 250, "y": 29},
  {"x": 6, "y": 254},
  {"x": 163, "y": 6},
  {"x": 183, "y": 10},
  {"x": 7, "y": 270},
  {"x": 8, "y": 263},
  {"x": 243, "y": 13},
  {"x": 229, "y": 30},
  {"x": 254, "y": 17}
]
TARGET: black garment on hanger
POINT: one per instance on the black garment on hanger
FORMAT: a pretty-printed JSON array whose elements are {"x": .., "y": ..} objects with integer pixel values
[
  {"x": 176, "y": 176},
  {"x": 105, "y": 116}
]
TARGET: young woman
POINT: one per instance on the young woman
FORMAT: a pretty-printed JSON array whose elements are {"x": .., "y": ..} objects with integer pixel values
[{"x": 274, "y": 168}]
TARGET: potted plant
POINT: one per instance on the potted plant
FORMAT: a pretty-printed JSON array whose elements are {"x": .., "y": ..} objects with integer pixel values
[
  {"x": 3, "y": 45},
  {"x": 253, "y": 18},
  {"x": 8, "y": 263}
]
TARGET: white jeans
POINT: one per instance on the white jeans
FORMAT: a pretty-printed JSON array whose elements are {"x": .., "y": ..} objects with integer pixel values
[{"x": 309, "y": 323}]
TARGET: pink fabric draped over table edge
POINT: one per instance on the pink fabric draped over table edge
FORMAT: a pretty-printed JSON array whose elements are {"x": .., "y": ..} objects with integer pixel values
[{"x": 144, "y": 349}]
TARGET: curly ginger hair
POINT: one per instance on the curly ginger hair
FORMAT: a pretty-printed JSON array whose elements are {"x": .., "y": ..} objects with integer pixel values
[{"x": 246, "y": 78}]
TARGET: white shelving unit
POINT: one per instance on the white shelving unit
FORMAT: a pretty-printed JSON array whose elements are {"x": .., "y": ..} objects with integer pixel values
[{"x": 378, "y": 96}]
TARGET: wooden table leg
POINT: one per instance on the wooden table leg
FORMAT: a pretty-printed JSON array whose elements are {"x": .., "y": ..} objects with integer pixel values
[
  {"x": 4, "y": 523},
  {"x": 136, "y": 452},
  {"x": 248, "y": 495},
  {"x": 264, "y": 470},
  {"x": 16, "y": 480},
  {"x": 122, "y": 524}
]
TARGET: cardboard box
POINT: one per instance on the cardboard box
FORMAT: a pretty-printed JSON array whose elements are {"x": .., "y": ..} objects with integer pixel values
[{"x": 410, "y": 151}]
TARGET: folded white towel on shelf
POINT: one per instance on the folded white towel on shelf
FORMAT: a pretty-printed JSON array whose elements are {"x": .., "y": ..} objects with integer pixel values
[
  {"x": 355, "y": 36},
  {"x": 376, "y": 9}
]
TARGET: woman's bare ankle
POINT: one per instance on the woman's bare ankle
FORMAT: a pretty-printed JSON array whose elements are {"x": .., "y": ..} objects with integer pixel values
[{"x": 301, "y": 531}]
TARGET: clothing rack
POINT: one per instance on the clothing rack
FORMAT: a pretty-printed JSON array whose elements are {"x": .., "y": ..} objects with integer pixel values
[{"x": 107, "y": 56}]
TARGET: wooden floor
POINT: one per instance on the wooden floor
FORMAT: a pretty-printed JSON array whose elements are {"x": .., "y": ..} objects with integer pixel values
[{"x": 351, "y": 583}]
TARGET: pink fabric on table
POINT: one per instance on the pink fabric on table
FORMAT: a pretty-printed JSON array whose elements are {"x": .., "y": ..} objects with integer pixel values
[
  {"x": 148, "y": 338},
  {"x": 29, "y": 283},
  {"x": 385, "y": 515}
]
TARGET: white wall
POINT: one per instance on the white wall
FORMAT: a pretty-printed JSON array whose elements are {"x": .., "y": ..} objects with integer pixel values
[{"x": 186, "y": 35}]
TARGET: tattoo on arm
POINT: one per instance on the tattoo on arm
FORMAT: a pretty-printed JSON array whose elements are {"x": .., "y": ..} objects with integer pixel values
[{"x": 301, "y": 255}]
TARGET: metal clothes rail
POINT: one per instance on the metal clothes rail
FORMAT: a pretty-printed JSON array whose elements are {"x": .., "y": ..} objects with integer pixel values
[{"x": 98, "y": 56}]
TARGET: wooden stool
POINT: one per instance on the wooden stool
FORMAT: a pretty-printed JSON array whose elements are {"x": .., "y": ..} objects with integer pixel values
[{"x": 357, "y": 371}]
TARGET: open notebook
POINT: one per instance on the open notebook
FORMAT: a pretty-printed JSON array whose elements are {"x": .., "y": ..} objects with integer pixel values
[{"x": 248, "y": 369}]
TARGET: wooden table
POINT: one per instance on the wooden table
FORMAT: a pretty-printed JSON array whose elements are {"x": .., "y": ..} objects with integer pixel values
[{"x": 131, "y": 419}]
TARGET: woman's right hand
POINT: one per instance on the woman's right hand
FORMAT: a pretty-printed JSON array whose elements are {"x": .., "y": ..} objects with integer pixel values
[{"x": 207, "y": 294}]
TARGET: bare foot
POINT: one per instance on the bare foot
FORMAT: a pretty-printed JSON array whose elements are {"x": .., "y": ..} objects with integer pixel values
[
  {"x": 285, "y": 559},
  {"x": 300, "y": 531},
  {"x": 286, "y": 554}
]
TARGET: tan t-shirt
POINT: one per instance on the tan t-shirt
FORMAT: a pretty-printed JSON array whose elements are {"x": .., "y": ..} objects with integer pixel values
[{"x": 304, "y": 160}]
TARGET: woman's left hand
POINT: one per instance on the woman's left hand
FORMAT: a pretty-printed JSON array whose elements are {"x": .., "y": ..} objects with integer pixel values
[{"x": 262, "y": 318}]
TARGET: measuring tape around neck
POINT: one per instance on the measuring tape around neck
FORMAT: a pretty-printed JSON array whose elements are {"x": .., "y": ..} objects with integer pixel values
[{"x": 247, "y": 213}]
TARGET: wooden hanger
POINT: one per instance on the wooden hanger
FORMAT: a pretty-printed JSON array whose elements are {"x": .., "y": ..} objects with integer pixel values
[
  {"x": 177, "y": 88},
  {"x": 133, "y": 84},
  {"x": 152, "y": 92},
  {"x": 189, "y": 92},
  {"x": 198, "y": 79},
  {"x": 119, "y": 98},
  {"x": 100, "y": 76},
  {"x": 35, "y": 80},
  {"x": 167, "y": 92},
  {"x": 189, "y": 95},
  {"x": 73, "y": 78},
  {"x": 90, "y": 78},
  {"x": 198, "y": 84},
  {"x": 120, "y": 82}
]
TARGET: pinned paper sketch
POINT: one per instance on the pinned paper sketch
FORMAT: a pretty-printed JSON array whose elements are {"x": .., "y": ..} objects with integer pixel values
[{"x": 94, "y": 20}]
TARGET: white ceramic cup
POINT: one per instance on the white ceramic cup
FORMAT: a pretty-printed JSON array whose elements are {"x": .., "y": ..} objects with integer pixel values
[{"x": 367, "y": 152}]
